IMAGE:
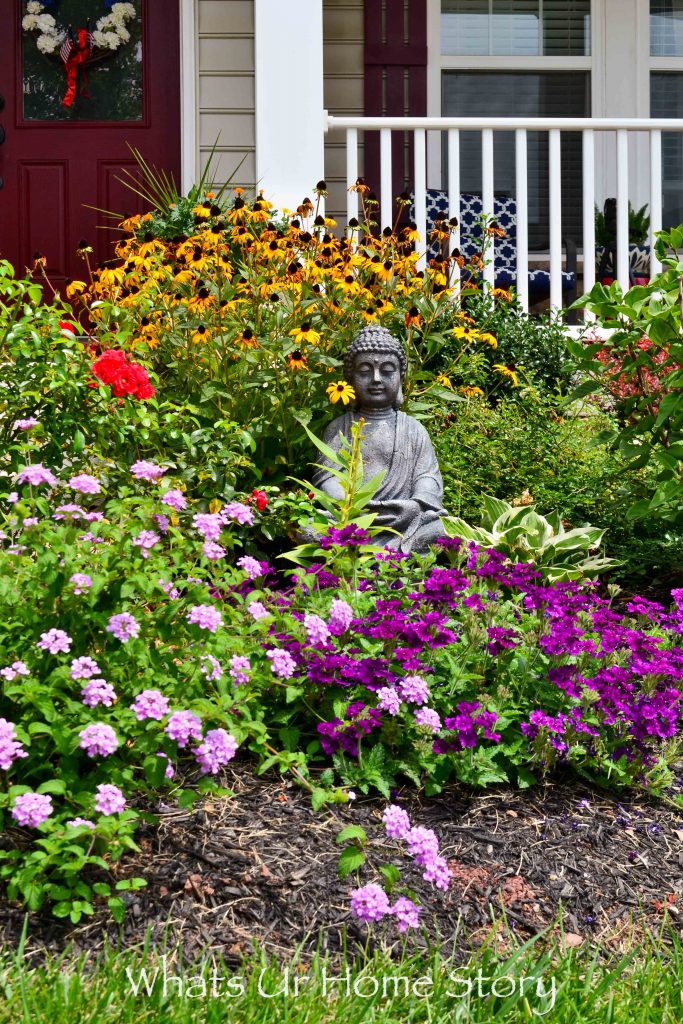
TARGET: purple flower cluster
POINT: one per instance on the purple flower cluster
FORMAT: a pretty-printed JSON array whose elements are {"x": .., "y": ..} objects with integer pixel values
[
  {"x": 217, "y": 748},
  {"x": 466, "y": 723},
  {"x": 344, "y": 734},
  {"x": 240, "y": 667},
  {"x": 250, "y": 566},
  {"x": 55, "y": 641},
  {"x": 149, "y": 471},
  {"x": 209, "y": 524},
  {"x": 238, "y": 512},
  {"x": 211, "y": 667},
  {"x": 109, "y": 799},
  {"x": 97, "y": 691},
  {"x": 85, "y": 484},
  {"x": 341, "y": 617},
  {"x": 82, "y": 582},
  {"x": 205, "y": 616},
  {"x": 370, "y": 903},
  {"x": 146, "y": 540},
  {"x": 36, "y": 475},
  {"x": 150, "y": 704},
  {"x": 10, "y": 747},
  {"x": 31, "y": 809},
  {"x": 17, "y": 668},
  {"x": 317, "y": 630},
  {"x": 282, "y": 663},
  {"x": 84, "y": 668},
  {"x": 183, "y": 726},
  {"x": 123, "y": 626},
  {"x": 175, "y": 499},
  {"x": 98, "y": 738},
  {"x": 347, "y": 537}
]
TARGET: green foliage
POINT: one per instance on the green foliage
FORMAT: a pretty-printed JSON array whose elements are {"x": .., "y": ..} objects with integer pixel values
[
  {"x": 651, "y": 427},
  {"x": 638, "y": 227},
  {"x": 525, "y": 536}
]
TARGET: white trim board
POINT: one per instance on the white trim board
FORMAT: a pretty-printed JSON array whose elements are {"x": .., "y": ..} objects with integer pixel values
[{"x": 189, "y": 142}]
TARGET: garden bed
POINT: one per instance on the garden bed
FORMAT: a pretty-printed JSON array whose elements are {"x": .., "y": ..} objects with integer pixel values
[{"x": 261, "y": 867}]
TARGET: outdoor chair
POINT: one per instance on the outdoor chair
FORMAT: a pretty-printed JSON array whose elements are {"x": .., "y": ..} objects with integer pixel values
[{"x": 505, "y": 249}]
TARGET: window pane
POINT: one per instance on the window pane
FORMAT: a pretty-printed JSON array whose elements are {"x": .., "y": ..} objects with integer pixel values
[
  {"x": 522, "y": 94},
  {"x": 517, "y": 28},
  {"x": 566, "y": 28},
  {"x": 465, "y": 27},
  {"x": 666, "y": 28},
  {"x": 666, "y": 100}
]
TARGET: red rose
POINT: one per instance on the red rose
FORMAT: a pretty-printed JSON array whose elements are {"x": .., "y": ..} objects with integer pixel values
[
  {"x": 125, "y": 377},
  {"x": 65, "y": 326},
  {"x": 261, "y": 499}
]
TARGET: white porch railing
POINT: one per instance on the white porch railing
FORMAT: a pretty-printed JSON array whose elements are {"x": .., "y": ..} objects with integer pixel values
[{"x": 553, "y": 127}]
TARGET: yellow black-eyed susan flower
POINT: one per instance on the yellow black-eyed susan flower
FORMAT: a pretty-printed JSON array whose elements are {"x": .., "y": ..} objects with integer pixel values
[
  {"x": 413, "y": 317},
  {"x": 246, "y": 339},
  {"x": 74, "y": 288},
  {"x": 443, "y": 380},
  {"x": 296, "y": 360},
  {"x": 507, "y": 371},
  {"x": 470, "y": 391},
  {"x": 201, "y": 335},
  {"x": 340, "y": 391},
  {"x": 488, "y": 339},
  {"x": 305, "y": 334},
  {"x": 501, "y": 293},
  {"x": 466, "y": 333}
]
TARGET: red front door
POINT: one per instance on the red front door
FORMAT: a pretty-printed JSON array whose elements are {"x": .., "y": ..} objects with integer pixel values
[{"x": 80, "y": 82}]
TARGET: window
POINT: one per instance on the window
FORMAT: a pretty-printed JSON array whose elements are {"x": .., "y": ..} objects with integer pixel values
[
  {"x": 520, "y": 28},
  {"x": 666, "y": 98},
  {"x": 486, "y": 46}
]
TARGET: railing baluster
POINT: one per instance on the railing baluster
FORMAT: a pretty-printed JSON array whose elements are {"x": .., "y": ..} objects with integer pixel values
[
  {"x": 555, "y": 201},
  {"x": 622, "y": 208},
  {"x": 386, "y": 189},
  {"x": 522, "y": 200},
  {"x": 454, "y": 195},
  {"x": 655, "y": 196},
  {"x": 588, "y": 214},
  {"x": 487, "y": 199},
  {"x": 420, "y": 153},
  {"x": 351, "y": 174}
]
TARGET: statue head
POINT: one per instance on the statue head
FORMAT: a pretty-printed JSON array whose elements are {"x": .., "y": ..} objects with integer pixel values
[{"x": 375, "y": 364}]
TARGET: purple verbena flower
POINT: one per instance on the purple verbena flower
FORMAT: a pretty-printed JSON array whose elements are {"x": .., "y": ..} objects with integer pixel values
[
  {"x": 81, "y": 581},
  {"x": 406, "y": 913},
  {"x": 31, "y": 809},
  {"x": 145, "y": 540},
  {"x": 109, "y": 799},
  {"x": 17, "y": 668},
  {"x": 282, "y": 663},
  {"x": 98, "y": 738},
  {"x": 205, "y": 616},
  {"x": 423, "y": 844},
  {"x": 55, "y": 641},
  {"x": 414, "y": 690},
  {"x": 28, "y": 424},
  {"x": 85, "y": 483},
  {"x": 81, "y": 822},
  {"x": 211, "y": 667},
  {"x": 389, "y": 700},
  {"x": 213, "y": 551},
  {"x": 183, "y": 726},
  {"x": 217, "y": 748},
  {"x": 240, "y": 667},
  {"x": 251, "y": 567},
  {"x": 257, "y": 610},
  {"x": 175, "y": 499},
  {"x": 36, "y": 475},
  {"x": 396, "y": 822},
  {"x": 84, "y": 668},
  {"x": 143, "y": 470},
  {"x": 97, "y": 691},
  {"x": 341, "y": 616},
  {"x": 150, "y": 704},
  {"x": 123, "y": 626},
  {"x": 370, "y": 903},
  {"x": 209, "y": 524},
  {"x": 318, "y": 633},
  {"x": 10, "y": 747},
  {"x": 429, "y": 718},
  {"x": 242, "y": 514}
]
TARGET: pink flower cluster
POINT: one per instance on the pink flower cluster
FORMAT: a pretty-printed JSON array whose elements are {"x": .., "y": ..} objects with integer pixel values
[
  {"x": 109, "y": 799},
  {"x": 150, "y": 704},
  {"x": 175, "y": 499},
  {"x": 242, "y": 514},
  {"x": 36, "y": 475},
  {"x": 10, "y": 747},
  {"x": 423, "y": 845},
  {"x": 217, "y": 748},
  {"x": 240, "y": 667},
  {"x": 209, "y": 524},
  {"x": 146, "y": 540},
  {"x": 251, "y": 566},
  {"x": 183, "y": 726},
  {"x": 17, "y": 668},
  {"x": 318, "y": 632},
  {"x": 144, "y": 470},
  {"x": 84, "y": 668},
  {"x": 205, "y": 616},
  {"x": 97, "y": 691},
  {"x": 282, "y": 663},
  {"x": 211, "y": 667},
  {"x": 81, "y": 581},
  {"x": 55, "y": 641},
  {"x": 123, "y": 626},
  {"x": 98, "y": 738},
  {"x": 85, "y": 484},
  {"x": 341, "y": 616},
  {"x": 371, "y": 903},
  {"x": 32, "y": 809}
]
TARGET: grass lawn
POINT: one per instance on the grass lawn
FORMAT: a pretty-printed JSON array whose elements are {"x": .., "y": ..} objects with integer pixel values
[{"x": 541, "y": 979}]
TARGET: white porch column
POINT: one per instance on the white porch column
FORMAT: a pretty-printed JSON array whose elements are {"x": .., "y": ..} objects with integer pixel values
[{"x": 290, "y": 125}]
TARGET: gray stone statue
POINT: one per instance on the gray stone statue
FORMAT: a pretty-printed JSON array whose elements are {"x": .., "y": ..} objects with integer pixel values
[{"x": 409, "y": 499}]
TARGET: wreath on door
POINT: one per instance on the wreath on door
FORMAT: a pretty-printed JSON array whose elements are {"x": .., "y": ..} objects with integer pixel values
[{"x": 77, "y": 48}]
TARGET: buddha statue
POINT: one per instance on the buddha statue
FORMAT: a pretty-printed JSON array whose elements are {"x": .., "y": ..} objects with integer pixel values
[{"x": 409, "y": 499}]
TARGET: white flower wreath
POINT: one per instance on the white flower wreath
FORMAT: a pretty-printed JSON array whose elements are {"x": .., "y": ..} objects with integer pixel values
[{"x": 109, "y": 34}]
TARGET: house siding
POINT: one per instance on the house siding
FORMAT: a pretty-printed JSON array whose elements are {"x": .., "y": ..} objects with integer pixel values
[
  {"x": 226, "y": 99},
  {"x": 226, "y": 89}
]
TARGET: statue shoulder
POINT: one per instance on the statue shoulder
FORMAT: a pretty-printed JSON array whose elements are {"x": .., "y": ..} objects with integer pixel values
[
  {"x": 340, "y": 425},
  {"x": 413, "y": 428}
]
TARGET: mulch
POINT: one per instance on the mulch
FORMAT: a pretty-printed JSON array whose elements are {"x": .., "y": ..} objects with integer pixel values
[{"x": 261, "y": 868}]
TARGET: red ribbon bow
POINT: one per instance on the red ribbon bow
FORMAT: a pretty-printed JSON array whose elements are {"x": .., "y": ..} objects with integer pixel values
[{"x": 79, "y": 55}]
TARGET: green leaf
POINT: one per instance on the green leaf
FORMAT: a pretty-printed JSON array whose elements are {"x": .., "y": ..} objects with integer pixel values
[
  {"x": 352, "y": 832},
  {"x": 350, "y": 860}
]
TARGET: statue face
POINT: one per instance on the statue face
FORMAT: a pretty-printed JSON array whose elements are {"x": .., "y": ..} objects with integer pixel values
[{"x": 376, "y": 380}]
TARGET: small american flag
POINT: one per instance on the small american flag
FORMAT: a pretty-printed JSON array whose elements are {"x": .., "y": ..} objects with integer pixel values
[{"x": 67, "y": 46}]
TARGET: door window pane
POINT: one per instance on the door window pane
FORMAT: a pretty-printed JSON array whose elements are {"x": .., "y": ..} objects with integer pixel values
[
  {"x": 518, "y": 28},
  {"x": 666, "y": 28},
  {"x": 666, "y": 100},
  {"x": 522, "y": 94},
  {"x": 81, "y": 61}
]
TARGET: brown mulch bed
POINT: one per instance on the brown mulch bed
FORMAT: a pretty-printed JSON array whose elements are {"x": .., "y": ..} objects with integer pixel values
[{"x": 261, "y": 867}]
